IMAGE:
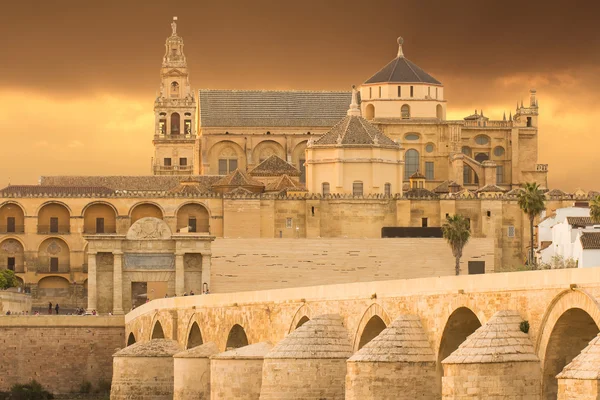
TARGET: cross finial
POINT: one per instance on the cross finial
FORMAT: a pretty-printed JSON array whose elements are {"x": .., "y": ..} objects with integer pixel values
[
  {"x": 400, "y": 43},
  {"x": 174, "y": 26}
]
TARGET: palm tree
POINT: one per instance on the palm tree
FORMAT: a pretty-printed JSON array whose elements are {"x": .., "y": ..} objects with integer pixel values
[
  {"x": 457, "y": 232},
  {"x": 595, "y": 210},
  {"x": 531, "y": 201}
]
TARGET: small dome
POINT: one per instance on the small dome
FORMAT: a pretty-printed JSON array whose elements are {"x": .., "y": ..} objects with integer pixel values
[
  {"x": 153, "y": 348},
  {"x": 354, "y": 130},
  {"x": 253, "y": 351},
  {"x": 203, "y": 351},
  {"x": 586, "y": 365}
]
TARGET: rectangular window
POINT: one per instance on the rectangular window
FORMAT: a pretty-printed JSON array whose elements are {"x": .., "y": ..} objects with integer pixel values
[
  {"x": 222, "y": 167},
  {"x": 429, "y": 91},
  {"x": 424, "y": 222},
  {"x": 370, "y": 93},
  {"x": 399, "y": 91},
  {"x": 99, "y": 225},
  {"x": 192, "y": 224},
  {"x": 500, "y": 174},
  {"x": 388, "y": 189},
  {"x": 53, "y": 225},
  {"x": 11, "y": 263},
  {"x": 379, "y": 91},
  {"x": 436, "y": 93},
  {"x": 188, "y": 127},
  {"x": 529, "y": 122},
  {"x": 162, "y": 126},
  {"x": 53, "y": 264},
  {"x": 429, "y": 165},
  {"x": 325, "y": 188},
  {"x": 302, "y": 170},
  {"x": 357, "y": 189},
  {"x": 476, "y": 267},
  {"x": 511, "y": 231},
  {"x": 412, "y": 91},
  {"x": 11, "y": 226},
  {"x": 288, "y": 223},
  {"x": 183, "y": 162},
  {"x": 167, "y": 162},
  {"x": 233, "y": 165}
]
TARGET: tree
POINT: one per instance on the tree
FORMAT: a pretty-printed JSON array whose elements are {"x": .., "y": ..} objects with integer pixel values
[
  {"x": 595, "y": 210},
  {"x": 531, "y": 201},
  {"x": 7, "y": 279},
  {"x": 457, "y": 232}
]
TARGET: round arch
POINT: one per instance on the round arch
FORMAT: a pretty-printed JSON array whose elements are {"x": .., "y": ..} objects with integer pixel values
[
  {"x": 303, "y": 312},
  {"x": 60, "y": 203},
  {"x": 99, "y": 217},
  {"x": 370, "y": 111},
  {"x": 106, "y": 203},
  {"x": 152, "y": 212},
  {"x": 369, "y": 326},
  {"x": 236, "y": 338},
  {"x": 12, "y": 202},
  {"x": 194, "y": 336},
  {"x": 265, "y": 148},
  {"x": 130, "y": 339},
  {"x": 54, "y": 282},
  {"x": 226, "y": 151},
  {"x": 193, "y": 210},
  {"x": 13, "y": 250},
  {"x": 54, "y": 255}
]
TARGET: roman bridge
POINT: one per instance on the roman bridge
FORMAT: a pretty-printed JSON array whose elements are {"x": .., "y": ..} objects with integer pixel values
[{"x": 561, "y": 307}]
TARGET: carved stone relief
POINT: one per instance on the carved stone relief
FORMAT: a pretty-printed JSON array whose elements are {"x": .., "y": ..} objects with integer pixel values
[
  {"x": 153, "y": 261},
  {"x": 193, "y": 261},
  {"x": 11, "y": 246},
  {"x": 54, "y": 248},
  {"x": 149, "y": 229}
]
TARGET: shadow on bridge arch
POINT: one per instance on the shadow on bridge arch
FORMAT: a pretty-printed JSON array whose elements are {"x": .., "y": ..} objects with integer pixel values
[
  {"x": 569, "y": 324},
  {"x": 302, "y": 316},
  {"x": 374, "y": 320},
  {"x": 237, "y": 338},
  {"x": 460, "y": 324},
  {"x": 157, "y": 331},
  {"x": 130, "y": 339},
  {"x": 194, "y": 337}
]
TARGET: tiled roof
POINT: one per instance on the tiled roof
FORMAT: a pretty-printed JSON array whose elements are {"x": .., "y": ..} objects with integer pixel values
[
  {"x": 555, "y": 193},
  {"x": 322, "y": 337},
  {"x": 499, "y": 340},
  {"x": 131, "y": 183},
  {"x": 253, "y": 351},
  {"x": 284, "y": 182},
  {"x": 417, "y": 175},
  {"x": 586, "y": 365},
  {"x": 354, "y": 130},
  {"x": 590, "y": 240},
  {"x": 27, "y": 190},
  {"x": 545, "y": 244},
  {"x": 203, "y": 351},
  {"x": 403, "y": 341},
  {"x": 515, "y": 191},
  {"x": 153, "y": 348},
  {"x": 447, "y": 187},
  {"x": 271, "y": 108},
  {"x": 402, "y": 70},
  {"x": 190, "y": 187},
  {"x": 419, "y": 193},
  {"x": 238, "y": 178},
  {"x": 490, "y": 189},
  {"x": 580, "y": 221},
  {"x": 274, "y": 166}
]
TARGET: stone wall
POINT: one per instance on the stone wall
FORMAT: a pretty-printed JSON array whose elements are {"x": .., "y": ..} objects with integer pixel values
[
  {"x": 60, "y": 352},
  {"x": 235, "y": 379},
  {"x": 578, "y": 389},
  {"x": 14, "y": 302},
  {"x": 257, "y": 264}
]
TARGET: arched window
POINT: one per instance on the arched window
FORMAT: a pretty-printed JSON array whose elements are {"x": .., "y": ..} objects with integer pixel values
[
  {"x": 228, "y": 161},
  {"x": 466, "y": 150},
  {"x": 174, "y": 89},
  {"x": 325, "y": 186},
  {"x": 175, "y": 124},
  {"x": 482, "y": 140},
  {"x": 387, "y": 189},
  {"x": 411, "y": 163},
  {"x": 405, "y": 111},
  {"x": 370, "y": 111},
  {"x": 499, "y": 151},
  {"x": 439, "y": 111},
  {"x": 481, "y": 157},
  {"x": 357, "y": 188}
]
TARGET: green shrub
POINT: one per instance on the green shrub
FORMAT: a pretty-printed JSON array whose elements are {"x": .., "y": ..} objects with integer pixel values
[
  {"x": 7, "y": 279},
  {"x": 30, "y": 391},
  {"x": 524, "y": 326}
]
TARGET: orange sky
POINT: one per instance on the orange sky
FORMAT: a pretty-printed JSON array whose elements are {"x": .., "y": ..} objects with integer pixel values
[{"x": 77, "y": 82}]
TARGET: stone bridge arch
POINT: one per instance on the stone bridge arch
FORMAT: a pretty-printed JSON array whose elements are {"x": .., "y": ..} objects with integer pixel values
[
  {"x": 374, "y": 320},
  {"x": 303, "y": 314},
  {"x": 167, "y": 323},
  {"x": 130, "y": 339},
  {"x": 571, "y": 320}
]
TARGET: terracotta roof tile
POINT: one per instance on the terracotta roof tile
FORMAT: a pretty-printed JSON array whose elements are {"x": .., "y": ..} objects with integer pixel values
[
  {"x": 353, "y": 131},
  {"x": 586, "y": 365},
  {"x": 130, "y": 183},
  {"x": 590, "y": 240},
  {"x": 284, "y": 183},
  {"x": 490, "y": 189},
  {"x": 402, "y": 70},
  {"x": 274, "y": 166},
  {"x": 580, "y": 221},
  {"x": 238, "y": 178},
  {"x": 25, "y": 190}
]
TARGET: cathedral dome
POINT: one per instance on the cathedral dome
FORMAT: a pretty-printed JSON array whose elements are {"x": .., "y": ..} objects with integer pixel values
[{"x": 402, "y": 70}]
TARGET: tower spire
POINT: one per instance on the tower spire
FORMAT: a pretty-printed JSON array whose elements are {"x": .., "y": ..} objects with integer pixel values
[
  {"x": 400, "y": 43},
  {"x": 354, "y": 110}
]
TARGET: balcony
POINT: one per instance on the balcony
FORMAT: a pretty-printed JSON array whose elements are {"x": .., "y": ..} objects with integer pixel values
[
  {"x": 173, "y": 169},
  {"x": 108, "y": 229},
  {"x": 488, "y": 124},
  {"x": 46, "y": 268},
  {"x": 12, "y": 229},
  {"x": 18, "y": 269},
  {"x": 53, "y": 229},
  {"x": 160, "y": 136}
]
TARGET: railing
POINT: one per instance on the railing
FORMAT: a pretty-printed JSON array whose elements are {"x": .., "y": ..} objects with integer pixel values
[
  {"x": 60, "y": 229},
  {"x": 161, "y": 136},
  {"x": 541, "y": 167},
  {"x": 19, "y": 269},
  {"x": 107, "y": 229},
  {"x": 45, "y": 268},
  {"x": 12, "y": 229},
  {"x": 488, "y": 124},
  {"x": 182, "y": 168}
]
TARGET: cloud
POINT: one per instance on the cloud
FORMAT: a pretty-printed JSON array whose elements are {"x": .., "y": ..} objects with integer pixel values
[{"x": 74, "y": 144}]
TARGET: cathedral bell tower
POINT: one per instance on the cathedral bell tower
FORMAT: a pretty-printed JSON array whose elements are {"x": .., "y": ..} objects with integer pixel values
[{"x": 174, "y": 113}]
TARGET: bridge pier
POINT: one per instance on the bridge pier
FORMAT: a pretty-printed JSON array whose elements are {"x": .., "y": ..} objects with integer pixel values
[
  {"x": 580, "y": 379},
  {"x": 192, "y": 372},
  {"x": 398, "y": 364}
]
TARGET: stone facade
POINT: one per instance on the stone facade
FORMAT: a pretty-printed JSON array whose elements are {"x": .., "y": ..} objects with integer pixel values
[{"x": 192, "y": 372}]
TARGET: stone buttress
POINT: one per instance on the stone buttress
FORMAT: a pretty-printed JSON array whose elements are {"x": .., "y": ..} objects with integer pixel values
[
  {"x": 192, "y": 372},
  {"x": 237, "y": 374},
  {"x": 144, "y": 371},
  {"x": 310, "y": 363},
  {"x": 580, "y": 379},
  {"x": 398, "y": 364},
  {"x": 497, "y": 361}
]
